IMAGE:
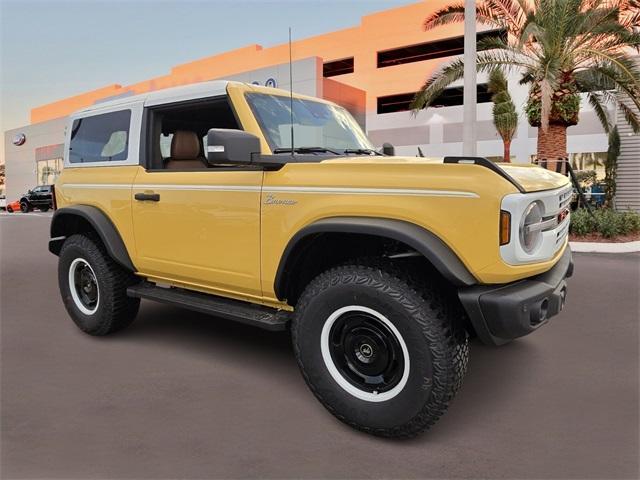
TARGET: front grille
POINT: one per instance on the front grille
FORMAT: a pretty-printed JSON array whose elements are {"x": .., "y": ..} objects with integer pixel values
[
  {"x": 564, "y": 198},
  {"x": 562, "y": 232}
]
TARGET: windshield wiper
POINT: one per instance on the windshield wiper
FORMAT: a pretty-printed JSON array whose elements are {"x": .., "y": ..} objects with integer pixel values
[
  {"x": 362, "y": 151},
  {"x": 306, "y": 150}
]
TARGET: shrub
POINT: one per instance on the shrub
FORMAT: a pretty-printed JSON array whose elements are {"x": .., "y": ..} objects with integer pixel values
[
  {"x": 631, "y": 222},
  {"x": 607, "y": 222},
  {"x": 581, "y": 222}
]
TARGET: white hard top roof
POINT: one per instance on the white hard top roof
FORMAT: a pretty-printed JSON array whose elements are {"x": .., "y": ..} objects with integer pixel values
[{"x": 166, "y": 95}]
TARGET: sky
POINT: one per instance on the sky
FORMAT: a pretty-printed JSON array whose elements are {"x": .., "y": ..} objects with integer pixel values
[{"x": 53, "y": 49}]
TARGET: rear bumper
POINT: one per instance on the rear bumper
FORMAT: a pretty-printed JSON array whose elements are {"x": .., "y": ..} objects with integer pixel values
[{"x": 500, "y": 313}]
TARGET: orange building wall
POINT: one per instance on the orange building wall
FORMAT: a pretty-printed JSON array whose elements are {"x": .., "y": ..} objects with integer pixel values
[{"x": 379, "y": 31}]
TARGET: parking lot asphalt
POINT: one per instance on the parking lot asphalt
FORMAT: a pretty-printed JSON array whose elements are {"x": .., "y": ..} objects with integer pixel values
[{"x": 183, "y": 395}]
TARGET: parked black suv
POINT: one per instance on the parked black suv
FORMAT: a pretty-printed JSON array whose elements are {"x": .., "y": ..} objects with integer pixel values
[{"x": 40, "y": 198}]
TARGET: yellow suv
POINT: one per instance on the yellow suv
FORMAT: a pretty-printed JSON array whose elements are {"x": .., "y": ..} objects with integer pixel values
[{"x": 382, "y": 267}]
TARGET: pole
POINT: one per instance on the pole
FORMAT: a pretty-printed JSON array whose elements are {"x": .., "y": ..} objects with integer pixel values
[{"x": 470, "y": 84}]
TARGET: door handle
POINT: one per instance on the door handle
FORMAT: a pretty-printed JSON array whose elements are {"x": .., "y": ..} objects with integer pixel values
[{"x": 149, "y": 197}]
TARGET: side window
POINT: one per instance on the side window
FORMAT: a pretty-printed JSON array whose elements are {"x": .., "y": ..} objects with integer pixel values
[
  {"x": 190, "y": 121},
  {"x": 100, "y": 138}
]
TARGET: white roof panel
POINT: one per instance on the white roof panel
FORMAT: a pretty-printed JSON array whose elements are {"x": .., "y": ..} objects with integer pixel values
[{"x": 166, "y": 95}]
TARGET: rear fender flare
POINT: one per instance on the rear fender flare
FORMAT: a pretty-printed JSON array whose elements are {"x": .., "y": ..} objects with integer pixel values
[{"x": 64, "y": 220}]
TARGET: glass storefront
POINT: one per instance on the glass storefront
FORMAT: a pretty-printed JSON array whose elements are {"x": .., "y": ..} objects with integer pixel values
[{"x": 47, "y": 171}]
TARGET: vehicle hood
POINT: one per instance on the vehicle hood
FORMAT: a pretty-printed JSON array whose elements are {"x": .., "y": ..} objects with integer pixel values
[{"x": 531, "y": 177}]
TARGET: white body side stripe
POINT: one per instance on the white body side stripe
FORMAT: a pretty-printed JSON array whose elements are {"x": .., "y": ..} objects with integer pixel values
[
  {"x": 252, "y": 188},
  {"x": 371, "y": 191}
]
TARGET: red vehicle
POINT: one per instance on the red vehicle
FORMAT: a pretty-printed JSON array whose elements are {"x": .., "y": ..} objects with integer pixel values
[{"x": 13, "y": 206}]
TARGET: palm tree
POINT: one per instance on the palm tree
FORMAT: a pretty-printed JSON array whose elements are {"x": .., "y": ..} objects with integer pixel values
[
  {"x": 505, "y": 117},
  {"x": 560, "y": 48}
]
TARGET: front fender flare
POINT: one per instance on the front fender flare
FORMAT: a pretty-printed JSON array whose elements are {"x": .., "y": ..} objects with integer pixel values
[
  {"x": 422, "y": 240},
  {"x": 64, "y": 220}
]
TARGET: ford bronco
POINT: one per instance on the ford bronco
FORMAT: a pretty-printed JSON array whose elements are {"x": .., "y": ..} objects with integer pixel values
[{"x": 382, "y": 267}]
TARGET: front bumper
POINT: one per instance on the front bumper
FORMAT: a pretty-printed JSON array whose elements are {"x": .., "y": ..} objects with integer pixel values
[{"x": 500, "y": 313}]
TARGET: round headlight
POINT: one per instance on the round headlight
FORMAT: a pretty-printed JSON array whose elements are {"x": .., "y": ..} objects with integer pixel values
[{"x": 530, "y": 237}]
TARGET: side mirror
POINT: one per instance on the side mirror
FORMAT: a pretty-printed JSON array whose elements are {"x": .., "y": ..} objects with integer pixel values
[
  {"x": 388, "y": 149},
  {"x": 225, "y": 146}
]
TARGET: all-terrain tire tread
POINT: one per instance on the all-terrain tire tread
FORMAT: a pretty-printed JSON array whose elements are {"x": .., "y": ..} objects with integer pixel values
[
  {"x": 434, "y": 312},
  {"x": 120, "y": 309}
]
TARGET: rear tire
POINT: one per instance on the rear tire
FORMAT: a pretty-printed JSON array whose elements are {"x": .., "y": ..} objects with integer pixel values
[
  {"x": 94, "y": 287},
  {"x": 381, "y": 352},
  {"x": 9, "y": 209},
  {"x": 44, "y": 209}
]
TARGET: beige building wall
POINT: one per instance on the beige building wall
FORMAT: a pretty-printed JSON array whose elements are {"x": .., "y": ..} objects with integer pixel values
[{"x": 20, "y": 160}]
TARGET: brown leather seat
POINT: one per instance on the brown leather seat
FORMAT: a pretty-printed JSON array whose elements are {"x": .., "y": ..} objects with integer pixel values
[{"x": 185, "y": 152}]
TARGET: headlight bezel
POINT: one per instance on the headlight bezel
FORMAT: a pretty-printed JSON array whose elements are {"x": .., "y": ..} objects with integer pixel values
[{"x": 549, "y": 234}]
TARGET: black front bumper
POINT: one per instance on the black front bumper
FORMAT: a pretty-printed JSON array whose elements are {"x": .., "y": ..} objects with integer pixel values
[{"x": 500, "y": 313}]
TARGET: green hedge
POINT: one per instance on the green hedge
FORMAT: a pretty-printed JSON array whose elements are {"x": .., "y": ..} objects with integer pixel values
[{"x": 607, "y": 222}]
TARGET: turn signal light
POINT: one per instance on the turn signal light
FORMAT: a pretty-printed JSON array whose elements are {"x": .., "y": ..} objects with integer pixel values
[{"x": 505, "y": 227}]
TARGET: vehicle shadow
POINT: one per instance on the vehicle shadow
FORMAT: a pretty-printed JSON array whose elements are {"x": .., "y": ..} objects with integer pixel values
[
  {"x": 205, "y": 335},
  {"x": 494, "y": 373}
]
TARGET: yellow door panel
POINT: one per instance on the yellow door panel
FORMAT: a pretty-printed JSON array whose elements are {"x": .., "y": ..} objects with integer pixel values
[{"x": 203, "y": 230}]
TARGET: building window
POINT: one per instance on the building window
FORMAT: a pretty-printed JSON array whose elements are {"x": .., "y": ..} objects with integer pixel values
[
  {"x": 446, "y": 47},
  {"x": 449, "y": 98},
  {"x": 337, "y": 67},
  {"x": 47, "y": 171},
  {"x": 100, "y": 138}
]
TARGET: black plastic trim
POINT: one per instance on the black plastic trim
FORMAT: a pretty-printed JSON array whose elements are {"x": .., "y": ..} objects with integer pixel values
[
  {"x": 418, "y": 238},
  {"x": 99, "y": 222},
  {"x": 500, "y": 313},
  {"x": 483, "y": 162}
]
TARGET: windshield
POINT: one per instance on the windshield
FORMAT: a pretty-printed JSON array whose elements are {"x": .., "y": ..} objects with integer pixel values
[{"x": 315, "y": 124}]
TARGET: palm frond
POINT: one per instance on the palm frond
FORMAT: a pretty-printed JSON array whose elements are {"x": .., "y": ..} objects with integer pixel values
[
  {"x": 453, "y": 13},
  {"x": 596, "y": 101},
  {"x": 454, "y": 71},
  {"x": 572, "y": 45}
]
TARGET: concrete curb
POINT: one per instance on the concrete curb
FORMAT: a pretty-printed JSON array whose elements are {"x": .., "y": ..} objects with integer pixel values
[{"x": 597, "y": 247}]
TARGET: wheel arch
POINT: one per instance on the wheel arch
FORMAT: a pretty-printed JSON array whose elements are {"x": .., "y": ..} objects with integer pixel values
[
  {"x": 423, "y": 241},
  {"x": 82, "y": 218}
]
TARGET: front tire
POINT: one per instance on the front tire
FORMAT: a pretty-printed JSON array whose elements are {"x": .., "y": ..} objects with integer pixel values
[
  {"x": 94, "y": 287},
  {"x": 381, "y": 352},
  {"x": 25, "y": 207}
]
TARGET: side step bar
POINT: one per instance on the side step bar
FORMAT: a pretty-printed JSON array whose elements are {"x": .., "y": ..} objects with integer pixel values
[{"x": 250, "y": 314}]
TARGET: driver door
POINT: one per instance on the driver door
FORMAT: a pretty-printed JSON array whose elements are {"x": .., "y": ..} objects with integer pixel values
[
  {"x": 202, "y": 228},
  {"x": 195, "y": 225}
]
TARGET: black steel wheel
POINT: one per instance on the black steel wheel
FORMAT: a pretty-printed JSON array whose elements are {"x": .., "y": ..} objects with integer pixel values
[
  {"x": 83, "y": 286},
  {"x": 363, "y": 348}
]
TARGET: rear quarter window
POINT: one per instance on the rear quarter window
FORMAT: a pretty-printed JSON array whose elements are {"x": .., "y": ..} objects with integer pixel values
[{"x": 100, "y": 138}]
